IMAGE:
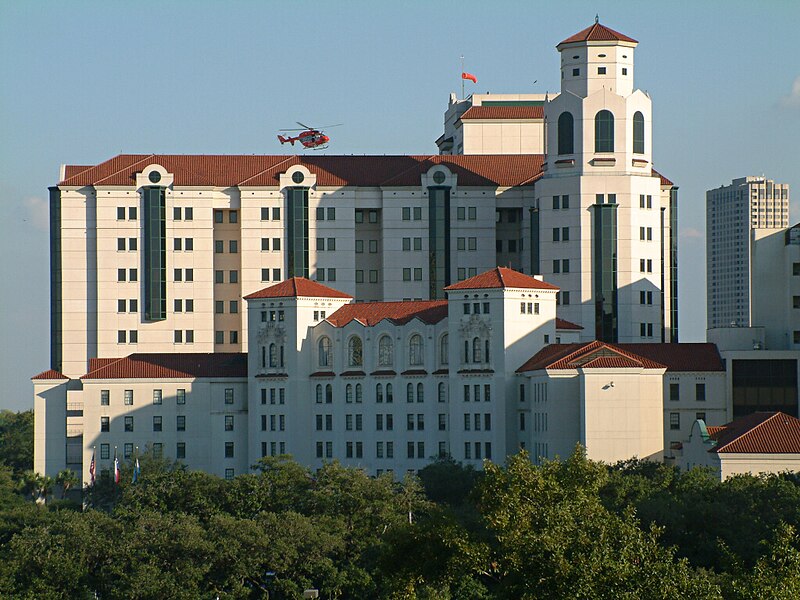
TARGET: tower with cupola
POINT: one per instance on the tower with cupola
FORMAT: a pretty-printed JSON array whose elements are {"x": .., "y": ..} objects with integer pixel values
[{"x": 605, "y": 221}]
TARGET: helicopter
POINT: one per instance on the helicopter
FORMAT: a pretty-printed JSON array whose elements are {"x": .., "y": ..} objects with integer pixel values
[{"x": 310, "y": 137}]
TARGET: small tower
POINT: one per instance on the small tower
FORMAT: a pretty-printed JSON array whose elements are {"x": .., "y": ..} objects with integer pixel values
[{"x": 597, "y": 58}]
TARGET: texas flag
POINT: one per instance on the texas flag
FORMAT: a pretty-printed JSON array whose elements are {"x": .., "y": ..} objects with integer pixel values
[
  {"x": 116, "y": 467},
  {"x": 470, "y": 76},
  {"x": 135, "y": 471}
]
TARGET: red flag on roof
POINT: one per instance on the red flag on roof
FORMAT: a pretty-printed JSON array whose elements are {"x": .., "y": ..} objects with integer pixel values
[{"x": 470, "y": 76}]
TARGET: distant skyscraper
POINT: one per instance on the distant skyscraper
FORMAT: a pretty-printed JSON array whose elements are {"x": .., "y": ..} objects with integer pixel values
[{"x": 736, "y": 215}]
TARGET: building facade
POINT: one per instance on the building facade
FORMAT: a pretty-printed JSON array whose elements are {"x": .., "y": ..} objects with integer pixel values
[
  {"x": 383, "y": 386},
  {"x": 749, "y": 209}
]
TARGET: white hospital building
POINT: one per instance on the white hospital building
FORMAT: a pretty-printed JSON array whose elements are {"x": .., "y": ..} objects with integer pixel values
[{"x": 219, "y": 309}]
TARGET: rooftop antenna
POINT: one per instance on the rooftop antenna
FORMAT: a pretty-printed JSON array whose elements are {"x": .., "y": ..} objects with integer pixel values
[
  {"x": 597, "y": 18},
  {"x": 462, "y": 76}
]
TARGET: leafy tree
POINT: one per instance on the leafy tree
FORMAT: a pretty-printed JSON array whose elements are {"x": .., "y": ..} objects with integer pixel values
[
  {"x": 555, "y": 539},
  {"x": 16, "y": 440},
  {"x": 775, "y": 576},
  {"x": 447, "y": 481},
  {"x": 37, "y": 486},
  {"x": 66, "y": 479}
]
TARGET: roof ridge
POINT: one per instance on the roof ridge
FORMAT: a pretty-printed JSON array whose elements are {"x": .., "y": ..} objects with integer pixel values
[
  {"x": 133, "y": 164},
  {"x": 273, "y": 166},
  {"x": 739, "y": 436},
  {"x": 401, "y": 173}
]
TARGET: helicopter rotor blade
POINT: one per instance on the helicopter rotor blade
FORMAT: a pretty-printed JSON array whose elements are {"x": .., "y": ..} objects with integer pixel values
[{"x": 305, "y": 126}]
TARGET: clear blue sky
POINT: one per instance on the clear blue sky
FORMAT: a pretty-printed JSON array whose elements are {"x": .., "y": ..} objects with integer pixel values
[{"x": 84, "y": 81}]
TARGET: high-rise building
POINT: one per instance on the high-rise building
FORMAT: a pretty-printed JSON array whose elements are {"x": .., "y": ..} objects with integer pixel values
[{"x": 737, "y": 215}]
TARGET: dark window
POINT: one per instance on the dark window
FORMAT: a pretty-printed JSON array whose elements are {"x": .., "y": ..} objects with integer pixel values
[
  {"x": 700, "y": 392},
  {"x": 566, "y": 135},
  {"x": 674, "y": 392},
  {"x": 604, "y": 132},
  {"x": 638, "y": 133}
]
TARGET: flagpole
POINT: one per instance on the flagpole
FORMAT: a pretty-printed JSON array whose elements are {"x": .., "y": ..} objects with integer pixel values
[{"x": 462, "y": 77}]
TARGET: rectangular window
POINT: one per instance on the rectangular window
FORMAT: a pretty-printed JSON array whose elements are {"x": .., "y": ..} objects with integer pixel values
[
  {"x": 601, "y": 70},
  {"x": 674, "y": 392},
  {"x": 417, "y": 213},
  {"x": 180, "y": 397},
  {"x": 674, "y": 420},
  {"x": 157, "y": 423},
  {"x": 233, "y": 246},
  {"x": 105, "y": 424},
  {"x": 700, "y": 392},
  {"x": 132, "y": 213},
  {"x": 228, "y": 449},
  {"x": 157, "y": 396},
  {"x": 442, "y": 422},
  {"x": 128, "y": 398},
  {"x": 373, "y": 246},
  {"x": 359, "y": 276},
  {"x": 373, "y": 276},
  {"x": 229, "y": 396},
  {"x": 128, "y": 423},
  {"x": 556, "y": 234},
  {"x": 104, "y": 451},
  {"x": 180, "y": 423},
  {"x": 180, "y": 450},
  {"x": 219, "y": 247},
  {"x": 228, "y": 422}
]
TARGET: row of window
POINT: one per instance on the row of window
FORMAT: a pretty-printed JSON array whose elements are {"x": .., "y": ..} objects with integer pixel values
[
  {"x": 373, "y": 276},
  {"x": 219, "y": 307},
  {"x": 180, "y": 397},
  {"x": 180, "y": 423},
  {"x": 233, "y": 246},
  {"x": 276, "y": 395},
  {"x": 276, "y": 244},
  {"x": 510, "y": 245},
  {"x": 276, "y": 422},
  {"x": 385, "y": 393},
  {"x": 603, "y": 131},
  {"x": 699, "y": 392},
  {"x": 219, "y": 276},
  {"x": 127, "y": 243}
]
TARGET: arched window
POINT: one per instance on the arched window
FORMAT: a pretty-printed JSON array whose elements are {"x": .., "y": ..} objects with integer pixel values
[
  {"x": 359, "y": 393},
  {"x": 329, "y": 394},
  {"x": 385, "y": 351},
  {"x": 444, "y": 349},
  {"x": 638, "y": 133},
  {"x": 325, "y": 358},
  {"x": 273, "y": 355},
  {"x": 348, "y": 393},
  {"x": 466, "y": 351},
  {"x": 476, "y": 350},
  {"x": 415, "y": 350},
  {"x": 442, "y": 392},
  {"x": 486, "y": 351},
  {"x": 319, "y": 393},
  {"x": 389, "y": 394},
  {"x": 410, "y": 392},
  {"x": 379, "y": 393},
  {"x": 566, "y": 133},
  {"x": 355, "y": 355},
  {"x": 420, "y": 392},
  {"x": 604, "y": 132}
]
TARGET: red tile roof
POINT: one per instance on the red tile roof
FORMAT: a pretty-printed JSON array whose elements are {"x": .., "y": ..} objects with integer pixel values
[
  {"x": 564, "y": 324},
  {"x": 264, "y": 170},
  {"x": 675, "y": 357},
  {"x": 586, "y": 355},
  {"x": 296, "y": 287},
  {"x": 504, "y": 112},
  {"x": 758, "y": 433},
  {"x": 370, "y": 314},
  {"x": 501, "y": 277},
  {"x": 49, "y": 374},
  {"x": 664, "y": 180},
  {"x": 172, "y": 365},
  {"x": 681, "y": 357},
  {"x": 597, "y": 33}
]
